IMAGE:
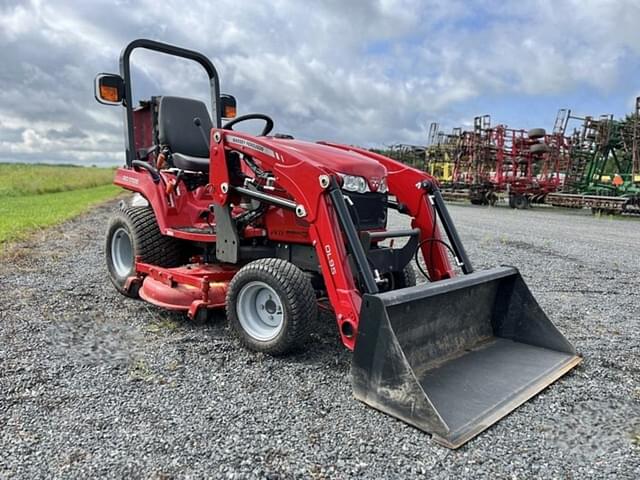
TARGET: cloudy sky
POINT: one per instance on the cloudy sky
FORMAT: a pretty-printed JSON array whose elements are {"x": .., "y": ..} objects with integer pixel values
[{"x": 361, "y": 72}]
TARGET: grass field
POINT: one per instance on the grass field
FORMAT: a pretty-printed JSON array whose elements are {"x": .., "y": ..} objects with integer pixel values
[
  {"x": 37, "y": 196},
  {"x": 17, "y": 179}
]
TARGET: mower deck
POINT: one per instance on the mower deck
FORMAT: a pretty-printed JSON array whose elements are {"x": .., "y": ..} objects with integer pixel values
[{"x": 187, "y": 288}]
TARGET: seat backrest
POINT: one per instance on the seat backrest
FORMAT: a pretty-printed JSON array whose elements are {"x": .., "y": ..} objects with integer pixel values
[{"x": 176, "y": 128}]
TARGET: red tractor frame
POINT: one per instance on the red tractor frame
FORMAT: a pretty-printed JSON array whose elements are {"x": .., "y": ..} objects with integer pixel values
[
  {"x": 307, "y": 208},
  {"x": 271, "y": 228}
]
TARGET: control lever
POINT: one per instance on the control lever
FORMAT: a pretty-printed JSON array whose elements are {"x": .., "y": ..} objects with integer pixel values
[{"x": 198, "y": 123}]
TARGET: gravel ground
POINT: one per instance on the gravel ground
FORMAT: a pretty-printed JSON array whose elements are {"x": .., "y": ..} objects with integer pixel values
[{"x": 96, "y": 385}]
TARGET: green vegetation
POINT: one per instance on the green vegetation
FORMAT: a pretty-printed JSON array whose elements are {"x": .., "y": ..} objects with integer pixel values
[
  {"x": 18, "y": 179},
  {"x": 37, "y": 196}
]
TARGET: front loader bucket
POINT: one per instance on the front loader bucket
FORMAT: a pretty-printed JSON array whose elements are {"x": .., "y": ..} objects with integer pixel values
[{"x": 453, "y": 357}]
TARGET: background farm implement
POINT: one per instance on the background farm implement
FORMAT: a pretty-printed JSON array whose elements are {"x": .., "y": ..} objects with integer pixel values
[
  {"x": 604, "y": 170},
  {"x": 487, "y": 163},
  {"x": 583, "y": 162}
]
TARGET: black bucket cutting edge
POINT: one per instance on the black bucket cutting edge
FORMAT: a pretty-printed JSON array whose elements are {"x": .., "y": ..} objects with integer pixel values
[{"x": 453, "y": 357}]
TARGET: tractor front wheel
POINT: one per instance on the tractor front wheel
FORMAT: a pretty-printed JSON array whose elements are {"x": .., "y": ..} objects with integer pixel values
[
  {"x": 133, "y": 232},
  {"x": 404, "y": 278},
  {"x": 270, "y": 305}
]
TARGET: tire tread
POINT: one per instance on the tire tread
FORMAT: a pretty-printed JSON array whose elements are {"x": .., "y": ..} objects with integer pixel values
[
  {"x": 299, "y": 297},
  {"x": 148, "y": 243},
  {"x": 152, "y": 246}
]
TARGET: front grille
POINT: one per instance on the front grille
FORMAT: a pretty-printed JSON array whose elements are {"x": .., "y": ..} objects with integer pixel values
[{"x": 369, "y": 210}]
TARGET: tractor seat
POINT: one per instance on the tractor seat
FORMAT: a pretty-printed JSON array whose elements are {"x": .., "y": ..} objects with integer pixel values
[
  {"x": 187, "y": 162},
  {"x": 177, "y": 131}
]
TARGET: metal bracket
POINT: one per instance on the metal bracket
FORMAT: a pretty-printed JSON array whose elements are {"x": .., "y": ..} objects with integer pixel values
[{"x": 227, "y": 239}]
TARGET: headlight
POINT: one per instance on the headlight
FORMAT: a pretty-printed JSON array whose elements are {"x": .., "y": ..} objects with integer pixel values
[
  {"x": 353, "y": 183},
  {"x": 383, "y": 188}
]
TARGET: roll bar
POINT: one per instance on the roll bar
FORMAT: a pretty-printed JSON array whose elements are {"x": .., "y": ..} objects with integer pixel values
[{"x": 125, "y": 73}]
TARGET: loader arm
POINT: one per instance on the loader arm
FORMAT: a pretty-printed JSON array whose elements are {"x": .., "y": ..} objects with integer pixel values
[
  {"x": 406, "y": 184},
  {"x": 454, "y": 356},
  {"x": 307, "y": 184}
]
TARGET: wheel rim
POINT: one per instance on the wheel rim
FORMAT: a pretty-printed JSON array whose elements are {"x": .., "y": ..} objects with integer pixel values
[
  {"x": 260, "y": 311},
  {"x": 122, "y": 252}
]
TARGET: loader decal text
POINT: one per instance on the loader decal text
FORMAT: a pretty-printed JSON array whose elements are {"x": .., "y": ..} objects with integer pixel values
[
  {"x": 251, "y": 145},
  {"x": 330, "y": 261}
]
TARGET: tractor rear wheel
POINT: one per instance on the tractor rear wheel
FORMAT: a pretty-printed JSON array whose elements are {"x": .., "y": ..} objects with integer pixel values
[
  {"x": 270, "y": 305},
  {"x": 133, "y": 232}
]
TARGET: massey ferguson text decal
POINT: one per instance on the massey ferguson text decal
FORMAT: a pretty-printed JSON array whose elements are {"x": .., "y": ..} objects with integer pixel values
[{"x": 250, "y": 144}]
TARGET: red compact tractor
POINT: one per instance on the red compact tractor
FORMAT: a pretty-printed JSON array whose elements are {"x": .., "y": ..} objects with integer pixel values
[{"x": 270, "y": 228}]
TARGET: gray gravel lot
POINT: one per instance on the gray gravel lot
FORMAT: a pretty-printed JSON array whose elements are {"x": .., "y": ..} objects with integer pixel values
[{"x": 96, "y": 385}]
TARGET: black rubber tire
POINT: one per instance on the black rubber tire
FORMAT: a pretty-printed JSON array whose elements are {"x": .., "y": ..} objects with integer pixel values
[
  {"x": 536, "y": 133},
  {"x": 405, "y": 278},
  {"x": 147, "y": 242},
  {"x": 521, "y": 202},
  {"x": 512, "y": 201},
  {"x": 539, "y": 148},
  {"x": 298, "y": 299}
]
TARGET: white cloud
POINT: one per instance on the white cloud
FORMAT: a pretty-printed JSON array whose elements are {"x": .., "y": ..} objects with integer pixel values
[{"x": 359, "y": 72}]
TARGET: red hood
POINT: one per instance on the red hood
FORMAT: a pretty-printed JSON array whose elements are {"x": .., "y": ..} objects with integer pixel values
[{"x": 336, "y": 160}]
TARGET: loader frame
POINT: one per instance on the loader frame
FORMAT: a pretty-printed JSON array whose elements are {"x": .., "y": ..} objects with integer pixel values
[
  {"x": 312, "y": 195},
  {"x": 315, "y": 198}
]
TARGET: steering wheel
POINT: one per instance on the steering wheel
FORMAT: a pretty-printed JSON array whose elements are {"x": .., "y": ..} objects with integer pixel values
[{"x": 252, "y": 116}]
